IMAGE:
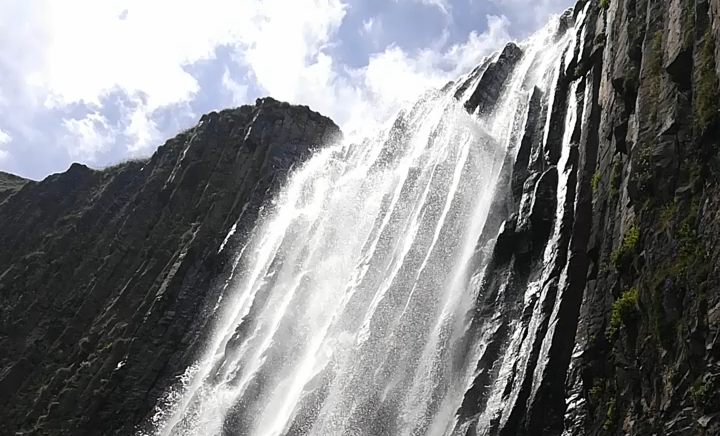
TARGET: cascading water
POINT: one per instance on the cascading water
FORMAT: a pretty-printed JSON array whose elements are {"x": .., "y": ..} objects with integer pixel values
[{"x": 350, "y": 305}]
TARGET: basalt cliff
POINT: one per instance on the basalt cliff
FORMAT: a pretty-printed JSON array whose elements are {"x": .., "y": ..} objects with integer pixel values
[{"x": 596, "y": 277}]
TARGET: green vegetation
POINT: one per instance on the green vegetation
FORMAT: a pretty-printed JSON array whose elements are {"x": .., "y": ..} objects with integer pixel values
[
  {"x": 657, "y": 51},
  {"x": 623, "y": 311},
  {"x": 642, "y": 172},
  {"x": 603, "y": 267},
  {"x": 705, "y": 97},
  {"x": 579, "y": 70},
  {"x": 605, "y": 4},
  {"x": 124, "y": 162},
  {"x": 594, "y": 181},
  {"x": 688, "y": 24},
  {"x": 599, "y": 40},
  {"x": 596, "y": 392},
  {"x": 630, "y": 78},
  {"x": 668, "y": 213},
  {"x": 609, "y": 415},
  {"x": 11, "y": 182},
  {"x": 655, "y": 70},
  {"x": 699, "y": 391},
  {"x": 627, "y": 247},
  {"x": 688, "y": 249},
  {"x": 704, "y": 393},
  {"x": 685, "y": 266}
]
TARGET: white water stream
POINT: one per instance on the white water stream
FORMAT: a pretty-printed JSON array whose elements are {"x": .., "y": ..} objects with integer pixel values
[{"x": 348, "y": 304}]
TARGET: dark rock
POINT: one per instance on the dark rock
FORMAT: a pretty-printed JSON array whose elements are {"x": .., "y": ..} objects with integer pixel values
[
  {"x": 105, "y": 275},
  {"x": 487, "y": 91},
  {"x": 10, "y": 184}
]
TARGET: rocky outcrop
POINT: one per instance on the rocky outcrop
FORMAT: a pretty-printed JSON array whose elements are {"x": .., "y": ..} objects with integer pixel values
[
  {"x": 488, "y": 89},
  {"x": 647, "y": 345},
  {"x": 599, "y": 308},
  {"x": 105, "y": 275},
  {"x": 9, "y": 184}
]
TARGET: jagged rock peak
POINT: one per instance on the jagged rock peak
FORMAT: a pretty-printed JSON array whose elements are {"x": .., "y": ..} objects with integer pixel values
[{"x": 106, "y": 275}]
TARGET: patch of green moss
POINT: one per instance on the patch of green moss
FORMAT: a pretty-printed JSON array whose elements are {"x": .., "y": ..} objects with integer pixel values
[
  {"x": 655, "y": 72},
  {"x": 594, "y": 182},
  {"x": 688, "y": 250},
  {"x": 630, "y": 83},
  {"x": 597, "y": 390},
  {"x": 603, "y": 267},
  {"x": 599, "y": 40},
  {"x": 698, "y": 392},
  {"x": 605, "y": 4},
  {"x": 609, "y": 415},
  {"x": 11, "y": 182},
  {"x": 656, "y": 59},
  {"x": 704, "y": 393},
  {"x": 668, "y": 213},
  {"x": 579, "y": 71},
  {"x": 685, "y": 266},
  {"x": 642, "y": 170},
  {"x": 624, "y": 310},
  {"x": 705, "y": 97},
  {"x": 688, "y": 24},
  {"x": 627, "y": 247}
]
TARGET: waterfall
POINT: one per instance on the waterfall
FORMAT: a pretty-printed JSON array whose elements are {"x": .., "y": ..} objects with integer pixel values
[{"x": 351, "y": 308}]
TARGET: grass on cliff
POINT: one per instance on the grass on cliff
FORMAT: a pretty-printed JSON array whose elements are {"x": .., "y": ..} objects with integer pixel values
[
  {"x": 11, "y": 182},
  {"x": 594, "y": 182},
  {"x": 704, "y": 393},
  {"x": 705, "y": 99},
  {"x": 609, "y": 416},
  {"x": 684, "y": 267},
  {"x": 124, "y": 162},
  {"x": 627, "y": 248},
  {"x": 623, "y": 311}
]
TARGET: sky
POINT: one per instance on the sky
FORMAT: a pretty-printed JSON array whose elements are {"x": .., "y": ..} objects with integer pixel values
[{"x": 99, "y": 82}]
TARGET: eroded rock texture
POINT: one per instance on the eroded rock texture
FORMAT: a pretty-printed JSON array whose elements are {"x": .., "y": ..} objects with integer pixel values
[
  {"x": 104, "y": 275},
  {"x": 647, "y": 345},
  {"x": 610, "y": 324}
]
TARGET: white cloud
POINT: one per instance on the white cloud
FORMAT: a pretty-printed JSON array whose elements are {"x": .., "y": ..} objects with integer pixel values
[
  {"x": 368, "y": 26},
  {"x": 530, "y": 13},
  {"x": 237, "y": 89},
  {"x": 443, "y": 5},
  {"x": 5, "y": 138},
  {"x": 81, "y": 51},
  {"x": 87, "y": 136}
]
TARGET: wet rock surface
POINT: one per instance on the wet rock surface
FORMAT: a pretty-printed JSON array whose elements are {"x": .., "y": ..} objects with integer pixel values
[
  {"x": 620, "y": 335},
  {"x": 107, "y": 277}
]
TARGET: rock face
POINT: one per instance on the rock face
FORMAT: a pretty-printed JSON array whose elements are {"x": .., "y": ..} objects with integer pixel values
[
  {"x": 647, "y": 353},
  {"x": 9, "y": 184},
  {"x": 621, "y": 335},
  {"x": 104, "y": 275}
]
